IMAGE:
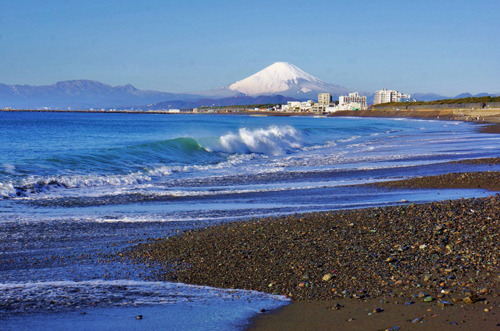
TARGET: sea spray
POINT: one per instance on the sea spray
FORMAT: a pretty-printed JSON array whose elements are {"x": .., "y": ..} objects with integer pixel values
[{"x": 272, "y": 141}]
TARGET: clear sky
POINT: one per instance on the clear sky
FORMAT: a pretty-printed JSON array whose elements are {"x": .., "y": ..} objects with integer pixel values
[{"x": 441, "y": 46}]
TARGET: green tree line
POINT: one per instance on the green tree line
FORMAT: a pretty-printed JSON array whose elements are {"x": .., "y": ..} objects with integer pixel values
[{"x": 486, "y": 99}]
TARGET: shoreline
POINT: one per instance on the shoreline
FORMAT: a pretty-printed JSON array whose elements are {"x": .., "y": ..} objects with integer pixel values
[
  {"x": 300, "y": 306},
  {"x": 356, "y": 261},
  {"x": 491, "y": 122}
]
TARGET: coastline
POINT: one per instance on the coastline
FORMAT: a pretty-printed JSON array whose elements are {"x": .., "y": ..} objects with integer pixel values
[
  {"x": 340, "y": 267},
  {"x": 491, "y": 118},
  {"x": 374, "y": 302}
]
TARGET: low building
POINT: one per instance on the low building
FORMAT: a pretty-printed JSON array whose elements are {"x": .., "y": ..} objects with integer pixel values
[{"x": 298, "y": 106}]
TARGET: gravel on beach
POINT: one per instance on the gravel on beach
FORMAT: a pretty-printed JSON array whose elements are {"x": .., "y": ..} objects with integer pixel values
[
  {"x": 442, "y": 250},
  {"x": 471, "y": 180},
  {"x": 435, "y": 265}
]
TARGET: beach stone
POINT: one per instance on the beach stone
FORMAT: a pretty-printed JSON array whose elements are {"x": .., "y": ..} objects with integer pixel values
[
  {"x": 327, "y": 277},
  {"x": 378, "y": 310},
  {"x": 444, "y": 304},
  {"x": 336, "y": 306},
  {"x": 428, "y": 299},
  {"x": 471, "y": 299},
  {"x": 390, "y": 259}
]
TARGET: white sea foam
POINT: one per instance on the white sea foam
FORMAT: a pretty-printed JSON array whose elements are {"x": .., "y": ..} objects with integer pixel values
[
  {"x": 7, "y": 190},
  {"x": 25, "y": 297},
  {"x": 273, "y": 141},
  {"x": 349, "y": 139},
  {"x": 10, "y": 169}
]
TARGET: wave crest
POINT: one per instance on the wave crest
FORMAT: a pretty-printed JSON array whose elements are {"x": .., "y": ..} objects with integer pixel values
[{"x": 273, "y": 140}]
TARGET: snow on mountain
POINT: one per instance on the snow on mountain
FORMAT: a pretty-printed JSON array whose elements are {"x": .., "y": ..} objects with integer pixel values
[{"x": 280, "y": 78}]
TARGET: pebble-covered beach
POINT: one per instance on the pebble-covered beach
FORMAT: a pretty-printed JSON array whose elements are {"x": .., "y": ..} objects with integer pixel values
[
  {"x": 443, "y": 253},
  {"x": 442, "y": 249}
]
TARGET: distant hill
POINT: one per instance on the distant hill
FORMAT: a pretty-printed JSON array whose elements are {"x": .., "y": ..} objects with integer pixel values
[
  {"x": 240, "y": 100},
  {"x": 81, "y": 94},
  {"x": 427, "y": 97},
  {"x": 479, "y": 95}
]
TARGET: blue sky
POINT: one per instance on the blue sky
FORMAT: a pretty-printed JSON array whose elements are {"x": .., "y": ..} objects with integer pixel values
[{"x": 446, "y": 47}]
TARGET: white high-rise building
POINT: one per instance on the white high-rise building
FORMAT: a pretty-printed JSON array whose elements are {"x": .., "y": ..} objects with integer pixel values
[
  {"x": 384, "y": 96},
  {"x": 352, "y": 101}
]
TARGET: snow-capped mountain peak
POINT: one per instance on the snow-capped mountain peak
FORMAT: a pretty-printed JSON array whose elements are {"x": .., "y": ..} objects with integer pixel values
[{"x": 286, "y": 79}]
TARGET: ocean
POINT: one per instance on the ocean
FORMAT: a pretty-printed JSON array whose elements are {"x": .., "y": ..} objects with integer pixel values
[{"x": 76, "y": 189}]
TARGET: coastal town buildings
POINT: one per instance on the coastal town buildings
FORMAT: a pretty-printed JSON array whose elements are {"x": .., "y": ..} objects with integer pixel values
[
  {"x": 298, "y": 106},
  {"x": 353, "y": 101},
  {"x": 384, "y": 96},
  {"x": 325, "y": 104},
  {"x": 324, "y": 99}
]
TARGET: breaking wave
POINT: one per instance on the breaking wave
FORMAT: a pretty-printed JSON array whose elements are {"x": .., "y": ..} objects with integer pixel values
[
  {"x": 273, "y": 141},
  {"x": 144, "y": 163}
]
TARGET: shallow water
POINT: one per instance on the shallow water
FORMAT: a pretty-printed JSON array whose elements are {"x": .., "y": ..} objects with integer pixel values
[{"x": 77, "y": 188}]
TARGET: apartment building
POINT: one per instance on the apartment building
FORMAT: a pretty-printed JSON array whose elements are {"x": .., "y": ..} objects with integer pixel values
[
  {"x": 353, "y": 101},
  {"x": 384, "y": 96}
]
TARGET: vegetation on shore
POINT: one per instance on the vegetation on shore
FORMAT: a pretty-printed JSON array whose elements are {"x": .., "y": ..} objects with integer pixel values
[{"x": 485, "y": 99}]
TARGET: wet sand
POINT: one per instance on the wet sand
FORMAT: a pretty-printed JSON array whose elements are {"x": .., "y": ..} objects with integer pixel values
[{"x": 396, "y": 315}]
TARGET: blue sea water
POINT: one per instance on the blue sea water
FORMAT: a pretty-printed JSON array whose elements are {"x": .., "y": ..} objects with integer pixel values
[{"x": 77, "y": 187}]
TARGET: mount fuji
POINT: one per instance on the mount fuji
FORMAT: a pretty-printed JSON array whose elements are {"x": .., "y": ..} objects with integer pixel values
[{"x": 280, "y": 78}]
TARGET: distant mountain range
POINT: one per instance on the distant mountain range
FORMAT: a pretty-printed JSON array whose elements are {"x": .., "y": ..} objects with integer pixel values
[
  {"x": 278, "y": 83},
  {"x": 81, "y": 94},
  {"x": 433, "y": 96},
  {"x": 242, "y": 100}
]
